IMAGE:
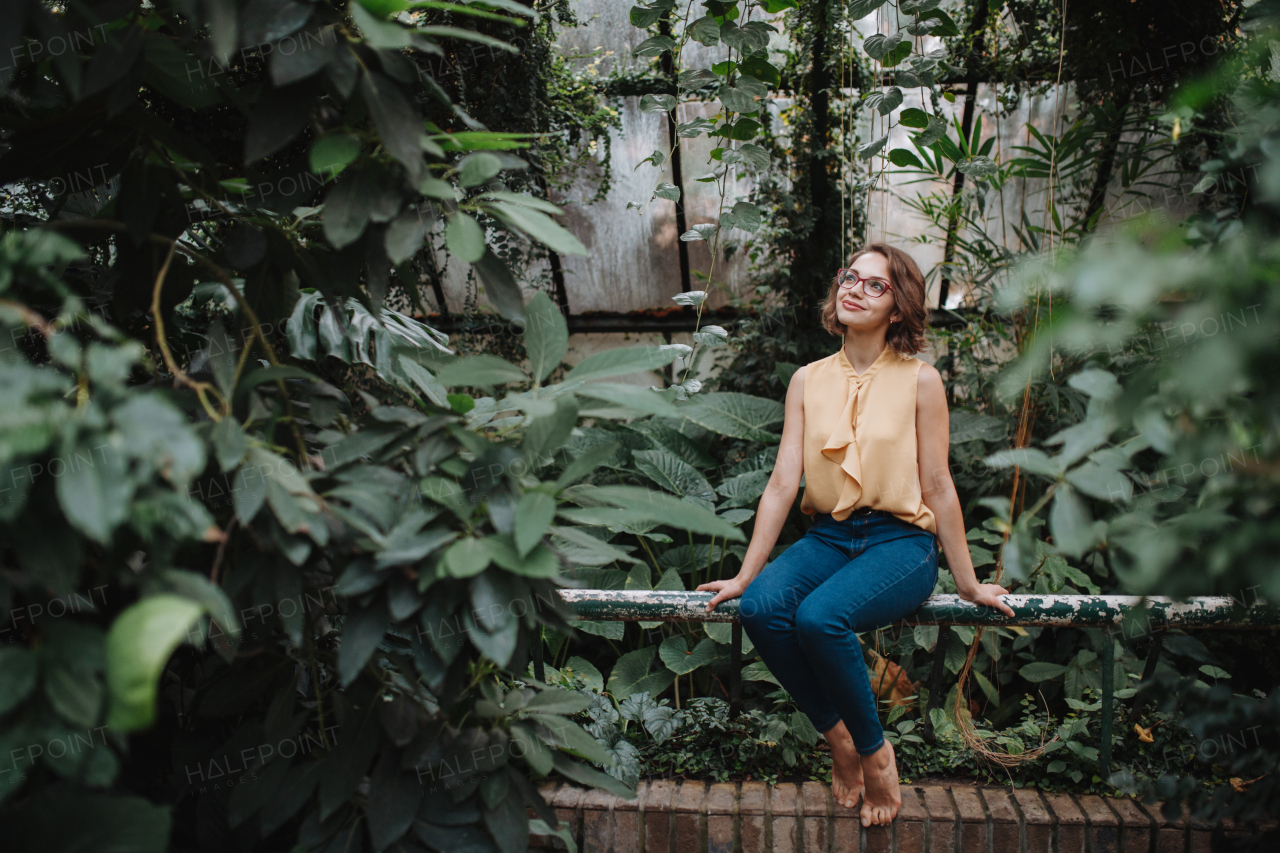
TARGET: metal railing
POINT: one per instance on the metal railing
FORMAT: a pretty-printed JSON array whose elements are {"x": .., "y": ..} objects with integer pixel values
[{"x": 1134, "y": 614}]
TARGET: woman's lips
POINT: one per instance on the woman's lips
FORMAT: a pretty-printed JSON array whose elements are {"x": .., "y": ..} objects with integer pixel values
[{"x": 853, "y": 306}]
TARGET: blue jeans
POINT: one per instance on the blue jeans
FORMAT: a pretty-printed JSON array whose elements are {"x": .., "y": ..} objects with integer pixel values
[{"x": 803, "y": 610}]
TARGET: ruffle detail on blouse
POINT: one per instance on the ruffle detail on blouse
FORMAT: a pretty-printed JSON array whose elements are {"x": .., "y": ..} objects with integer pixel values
[{"x": 841, "y": 446}]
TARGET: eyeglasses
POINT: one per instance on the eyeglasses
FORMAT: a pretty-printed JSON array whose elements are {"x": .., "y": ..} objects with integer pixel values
[{"x": 872, "y": 287}]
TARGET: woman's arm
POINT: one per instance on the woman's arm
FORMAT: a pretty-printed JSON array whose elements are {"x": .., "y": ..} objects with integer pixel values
[
  {"x": 933, "y": 437},
  {"x": 776, "y": 502}
]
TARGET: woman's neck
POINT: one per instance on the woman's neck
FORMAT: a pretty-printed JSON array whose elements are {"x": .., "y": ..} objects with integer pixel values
[{"x": 863, "y": 348}]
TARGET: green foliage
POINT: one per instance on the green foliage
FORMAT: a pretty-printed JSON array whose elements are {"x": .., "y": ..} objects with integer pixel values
[{"x": 206, "y": 542}]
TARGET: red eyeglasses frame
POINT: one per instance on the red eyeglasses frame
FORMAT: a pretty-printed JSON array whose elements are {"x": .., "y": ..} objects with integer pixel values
[{"x": 856, "y": 279}]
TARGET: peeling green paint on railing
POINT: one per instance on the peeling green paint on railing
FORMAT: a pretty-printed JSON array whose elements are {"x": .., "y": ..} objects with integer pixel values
[{"x": 1029, "y": 610}]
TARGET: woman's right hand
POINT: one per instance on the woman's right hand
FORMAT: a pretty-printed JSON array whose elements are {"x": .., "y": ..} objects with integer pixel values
[{"x": 724, "y": 590}]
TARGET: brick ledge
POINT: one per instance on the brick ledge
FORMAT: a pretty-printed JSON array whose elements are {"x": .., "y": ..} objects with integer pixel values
[{"x": 669, "y": 816}]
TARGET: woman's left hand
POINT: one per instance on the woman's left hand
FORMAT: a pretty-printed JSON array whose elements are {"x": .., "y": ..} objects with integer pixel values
[{"x": 987, "y": 595}]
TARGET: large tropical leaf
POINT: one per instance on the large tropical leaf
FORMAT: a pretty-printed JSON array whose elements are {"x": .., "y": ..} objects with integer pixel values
[
  {"x": 735, "y": 415},
  {"x": 675, "y": 475},
  {"x": 744, "y": 489}
]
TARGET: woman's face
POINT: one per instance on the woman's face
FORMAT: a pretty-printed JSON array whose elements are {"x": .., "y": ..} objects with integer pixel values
[{"x": 858, "y": 311}]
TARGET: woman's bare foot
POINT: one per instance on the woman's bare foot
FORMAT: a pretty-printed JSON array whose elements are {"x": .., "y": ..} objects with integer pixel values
[
  {"x": 882, "y": 798},
  {"x": 846, "y": 766}
]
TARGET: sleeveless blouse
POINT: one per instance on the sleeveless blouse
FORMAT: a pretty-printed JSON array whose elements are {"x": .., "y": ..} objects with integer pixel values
[{"x": 860, "y": 438}]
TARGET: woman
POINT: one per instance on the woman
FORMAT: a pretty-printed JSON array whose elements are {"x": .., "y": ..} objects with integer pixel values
[{"x": 868, "y": 429}]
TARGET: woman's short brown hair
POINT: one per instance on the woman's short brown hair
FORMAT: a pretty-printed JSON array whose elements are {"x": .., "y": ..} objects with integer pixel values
[{"x": 906, "y": 335}]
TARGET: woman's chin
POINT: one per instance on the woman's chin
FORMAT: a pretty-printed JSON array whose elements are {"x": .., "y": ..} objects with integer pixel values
[{"x": 856, "y": 321}]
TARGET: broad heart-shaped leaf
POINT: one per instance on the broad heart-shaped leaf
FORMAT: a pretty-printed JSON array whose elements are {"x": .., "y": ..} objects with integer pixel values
[
  {"x": 464, "y": 238},
  {"x": 979, "y": 166},
  {"x": 866, "y": 152},
  {"x": 696, "y": 79},
  {"x": 674, "y": 474},
  {"x": 735, "y": 415},
  {"x": 657, "y": 103},
  {"x": 878, "y": 45},
  {"x": 631, "y": 670},
  {"x": 95, "y": 496},
  {"x": 644, "y": 18},
  {"x": 744, "y": 489},
  {"x": 859, "y": 9},
  {"x": 884, "y": 102},
  {"x": 679, "y": 659},
  {"x": 670, "y": 192},
  {"x": 754, "y": 157},
  {"x": 664, "y": 509},
  {"x": 899, "y": 53},
  {"x": 940, "y": 24},
  {"x": 655, "y": 46},
  {"x": 759, "y": 68},
  {"x": 138, "y": 645},
  {"x": 705, "y": 31},
  {"x": 737, "y": 101},
  {"x": 701, "y": 231},
  {"x": 903, "y": 158},
  {"x": 913, "y": 117},
  {"x": 622, "y": 361},
  {"x": 747, "y": 216},
  {"x": 936, "y": 130},
  {"x": 742, "y": 129},
  {"x": 546, "y": 335}
]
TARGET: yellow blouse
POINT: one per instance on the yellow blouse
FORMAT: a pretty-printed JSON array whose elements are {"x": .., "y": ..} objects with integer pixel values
[{"x": 860, "y": 438}]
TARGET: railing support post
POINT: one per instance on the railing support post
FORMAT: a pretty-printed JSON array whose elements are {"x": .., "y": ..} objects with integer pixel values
[
  {"x": 735, "y": 670},
  {"x": 1108, "y": 702},
  {"x": 935, "y": 681}
]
